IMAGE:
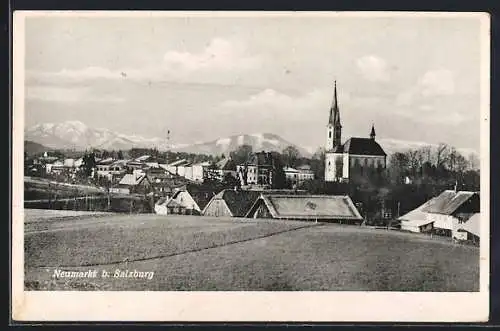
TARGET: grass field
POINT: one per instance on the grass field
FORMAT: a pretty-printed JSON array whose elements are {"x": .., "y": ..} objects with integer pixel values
[{"x": 204, "y": 253}]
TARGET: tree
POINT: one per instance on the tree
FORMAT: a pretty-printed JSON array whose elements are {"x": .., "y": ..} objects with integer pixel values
[
  {"x": 318, "y": 163},
  {"x": 120, "y": 155},
  {"x": 89, "y": 163},
  {"x": 290, "y": 156},
  {"x": 442, "y": 153},
  {"x": 399, "y": 165},
  {"x": 242, "y": 154},
  {"x": 278, "y": 180}
]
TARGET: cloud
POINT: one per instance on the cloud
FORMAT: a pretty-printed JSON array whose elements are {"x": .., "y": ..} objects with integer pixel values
[
  {"x": 67, "y": 95},
  {"x": 219, "y": 57},
  {"x": 432, "y": 84},
  {"x": 219, "y": 54},
  {"x": 270, "y": 101},
  {"x": 437, "y": 82},
  {"x": 373, "y": 68}
]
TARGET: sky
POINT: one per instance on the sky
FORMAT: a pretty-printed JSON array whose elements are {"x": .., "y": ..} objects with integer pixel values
[{"x": 414, "y": 78}]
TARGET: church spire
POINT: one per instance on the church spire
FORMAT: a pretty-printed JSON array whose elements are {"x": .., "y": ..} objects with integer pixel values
[
  {"x": 334, "y": 109},
  {"x": 372, "y": 133}
]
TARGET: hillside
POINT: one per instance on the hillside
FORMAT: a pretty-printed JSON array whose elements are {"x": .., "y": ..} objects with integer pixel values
[{"x": 32, "y": 148}]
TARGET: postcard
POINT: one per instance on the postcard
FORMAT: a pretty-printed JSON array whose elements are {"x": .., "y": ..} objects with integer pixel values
[{"x": 250, "y": 166}]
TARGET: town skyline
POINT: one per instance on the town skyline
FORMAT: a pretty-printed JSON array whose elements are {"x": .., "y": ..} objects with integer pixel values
[{"x": 414, "y": 79}]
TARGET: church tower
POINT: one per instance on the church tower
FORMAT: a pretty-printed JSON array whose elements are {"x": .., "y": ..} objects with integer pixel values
[
  {"x": 334, "y": 128},
  {"x": 333, "y": 148}
]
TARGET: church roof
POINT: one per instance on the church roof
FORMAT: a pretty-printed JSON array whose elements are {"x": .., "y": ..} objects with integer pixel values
[{"x": 363, "y": 146}]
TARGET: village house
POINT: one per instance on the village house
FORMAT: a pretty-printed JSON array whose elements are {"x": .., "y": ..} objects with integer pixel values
[
  {"x": 197, "y": 172},
  {"x": 225, "y": 167},
  {"x": 184, "y": 202},
  {"x": 111, "y": 169},
  {"x": 177, "y": 167},
  {"x": 230, "y": 203},
  {"x": 356, "y": 156},
  {"x": 299, "y": 175},
  {"x": 324, "y": 208},
  {"x": 165, "y": 183},
  {"x": 138, "y": 183},
  {"x": 259, "y": 169},
  {"x": 55, "y": 168},
  {"x": 443, "y": 215}
]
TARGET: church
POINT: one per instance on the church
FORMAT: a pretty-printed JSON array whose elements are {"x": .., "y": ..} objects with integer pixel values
[{"x": 357, "y": 156}]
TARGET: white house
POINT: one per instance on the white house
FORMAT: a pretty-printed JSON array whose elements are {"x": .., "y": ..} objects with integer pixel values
[{"x": 443, "y": 214}]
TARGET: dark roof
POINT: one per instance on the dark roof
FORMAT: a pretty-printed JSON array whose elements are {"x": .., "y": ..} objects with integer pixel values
[
  {"x": 449, "y": 201},
  {"x": 238, "y": 201},
  {"x": 202, "y": 198},
  {"x": 363, "y": 146}
]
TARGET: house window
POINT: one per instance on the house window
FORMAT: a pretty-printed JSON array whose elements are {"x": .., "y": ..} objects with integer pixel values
[{"x": 329, "y": 134}]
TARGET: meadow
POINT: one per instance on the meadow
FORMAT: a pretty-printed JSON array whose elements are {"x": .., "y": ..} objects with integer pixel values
[{"x": 229, "y": 254}]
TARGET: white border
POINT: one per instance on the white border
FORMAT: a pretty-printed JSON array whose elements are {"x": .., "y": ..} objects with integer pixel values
[{"x": 242, "y": 306}]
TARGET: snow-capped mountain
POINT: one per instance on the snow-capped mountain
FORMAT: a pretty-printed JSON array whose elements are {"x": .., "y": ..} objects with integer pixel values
[
  {"x": 76, "y": 135},
  {"x": 259, "y": 141}
]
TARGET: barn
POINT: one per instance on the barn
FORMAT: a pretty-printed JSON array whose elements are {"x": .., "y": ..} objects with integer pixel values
[
  {"x": 416, "y": 220},
  {"x": 325, "y": 208},
  {"x": 231, "y": 203},
  {"x": 443, "y": 214}
]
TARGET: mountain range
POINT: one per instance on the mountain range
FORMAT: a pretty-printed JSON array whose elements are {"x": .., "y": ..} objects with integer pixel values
[{"x": 76, "y": 135}]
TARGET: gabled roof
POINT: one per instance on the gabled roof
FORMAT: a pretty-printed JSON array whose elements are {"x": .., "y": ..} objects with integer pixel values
[
  {"x": 142, "y": 158},
  {"x": 363, "y": 146},
  {"x": 417, "y": 214},
  {"x": 108, "y": 160},
  {"x": 178, "y": 163},
  {"x": 202, "y": 198},
  {"x": 119, "y": 163},
  {"x": 472, "y": 225},
  {"x": 449, "y": 201},
  {"x": 132, "y": 179},
  {"x": 309, "y": 206},
  {"x": 238, "y": 201}
]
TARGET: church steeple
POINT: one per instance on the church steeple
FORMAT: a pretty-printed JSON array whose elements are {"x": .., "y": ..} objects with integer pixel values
[
  {"x": 372, "y": 133},
  {"x": 334, "y": 127},
  {"x": 334, "y": 109}
]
